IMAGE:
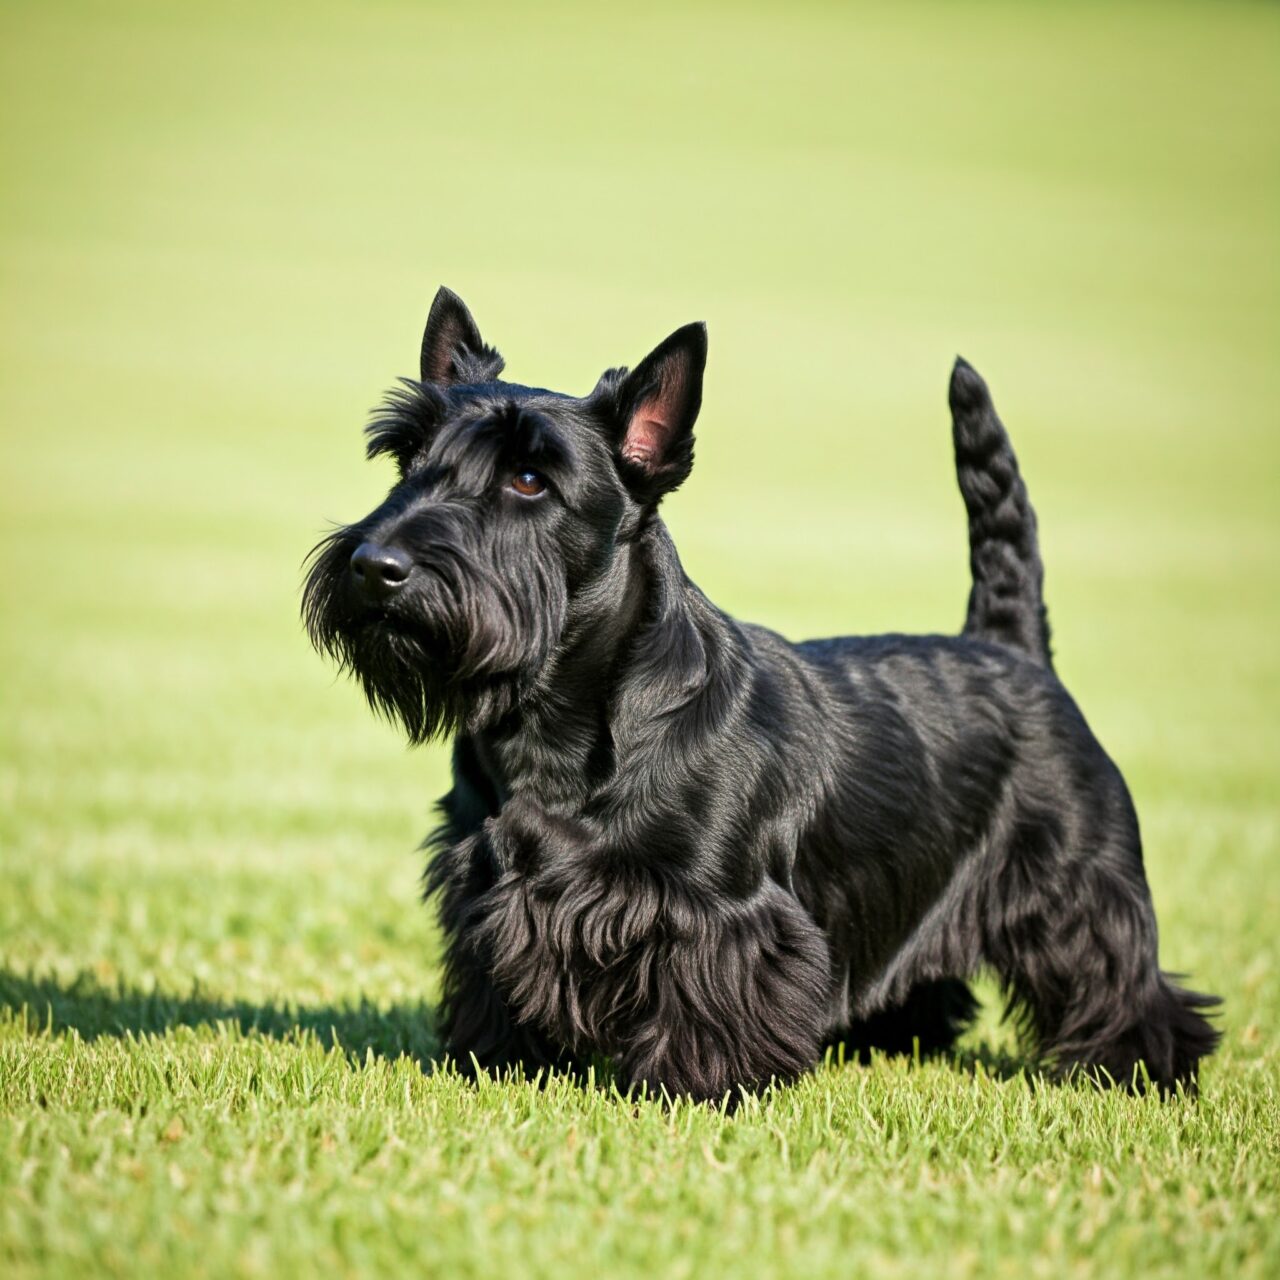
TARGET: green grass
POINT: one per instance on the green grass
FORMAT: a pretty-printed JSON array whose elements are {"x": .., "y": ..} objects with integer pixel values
[{"x": 219, "y": 232}]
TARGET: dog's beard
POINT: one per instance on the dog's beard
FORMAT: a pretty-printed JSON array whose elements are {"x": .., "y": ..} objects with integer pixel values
[{"x": 456, "y": 651}]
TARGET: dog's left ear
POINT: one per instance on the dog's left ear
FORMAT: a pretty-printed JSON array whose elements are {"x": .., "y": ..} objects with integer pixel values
[
  {"x": 452, "y": 348},
  {"x": 658, "y": 404}
]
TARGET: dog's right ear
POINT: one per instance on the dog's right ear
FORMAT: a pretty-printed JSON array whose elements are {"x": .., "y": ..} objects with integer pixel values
[
  {"x": 452, "y": 348},
  {"x": 657, "y": 405}
]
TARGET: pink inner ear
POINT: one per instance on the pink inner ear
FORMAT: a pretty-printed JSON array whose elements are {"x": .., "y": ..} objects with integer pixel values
[
  {"x": 645, "y": 439},
  {"x": 651, "y": 425}
]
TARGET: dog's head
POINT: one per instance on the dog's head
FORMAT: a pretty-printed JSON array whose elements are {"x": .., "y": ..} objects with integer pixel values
[{"x": 511, "y": 510}]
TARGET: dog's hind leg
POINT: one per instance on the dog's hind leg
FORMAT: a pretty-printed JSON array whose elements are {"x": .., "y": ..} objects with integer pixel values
[
  {"x": 929, "y": 1021},
  {"x": 1074, "y": 939}
]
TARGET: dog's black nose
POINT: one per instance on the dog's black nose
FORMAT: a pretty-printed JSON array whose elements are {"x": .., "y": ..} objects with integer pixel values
[{"x": 379, "y": 571}]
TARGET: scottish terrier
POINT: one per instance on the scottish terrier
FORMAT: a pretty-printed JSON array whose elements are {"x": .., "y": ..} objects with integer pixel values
[{"x": 684, "y": 843}]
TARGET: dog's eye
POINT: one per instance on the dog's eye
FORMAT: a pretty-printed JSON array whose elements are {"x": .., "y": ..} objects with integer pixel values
[{"x": 528, "y": 484}]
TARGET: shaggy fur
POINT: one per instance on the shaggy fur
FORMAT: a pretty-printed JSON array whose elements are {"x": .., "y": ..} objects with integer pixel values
[{"x": 679, "y": 840}]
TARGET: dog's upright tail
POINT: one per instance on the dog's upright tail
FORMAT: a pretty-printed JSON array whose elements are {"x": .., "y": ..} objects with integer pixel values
[{"x": 1006, "y": 601}]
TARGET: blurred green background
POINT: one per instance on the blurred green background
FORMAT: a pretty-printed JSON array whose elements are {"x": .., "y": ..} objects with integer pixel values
[{"x": 220, "y": 230}]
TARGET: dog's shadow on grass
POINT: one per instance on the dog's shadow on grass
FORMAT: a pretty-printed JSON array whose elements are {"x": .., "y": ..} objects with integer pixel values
[{"x": 95, "y": 1010}]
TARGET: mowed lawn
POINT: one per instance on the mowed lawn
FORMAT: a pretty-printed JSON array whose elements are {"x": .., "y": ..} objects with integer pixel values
[{"x": 220, "y": 228}]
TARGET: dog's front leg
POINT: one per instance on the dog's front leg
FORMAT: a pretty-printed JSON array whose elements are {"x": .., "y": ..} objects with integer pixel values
[
  {"x": 739, "y": 997},
  {"x": 557, "y": 930},
  {"x": 477, "y": 1024},
  {"x": 684, "y": 992}
]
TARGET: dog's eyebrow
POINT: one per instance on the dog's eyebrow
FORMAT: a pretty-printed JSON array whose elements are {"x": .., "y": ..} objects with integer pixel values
[
  {"x": 533, "y": 438},
  {"x": 515, "y": 434},
  {"x": 509, "y": 435}
]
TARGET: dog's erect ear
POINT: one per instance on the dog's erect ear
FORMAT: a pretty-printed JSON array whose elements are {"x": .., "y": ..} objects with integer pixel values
[
  {"x": 452, "y": 348},
  {"x": 658, "y": 403}
]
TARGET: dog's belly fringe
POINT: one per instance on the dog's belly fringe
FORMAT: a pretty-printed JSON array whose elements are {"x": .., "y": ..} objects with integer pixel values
[{"x": 945, "y": 944}]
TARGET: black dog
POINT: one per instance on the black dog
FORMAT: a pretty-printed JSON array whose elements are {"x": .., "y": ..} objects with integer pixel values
[{"x": 683, "y": 842}]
